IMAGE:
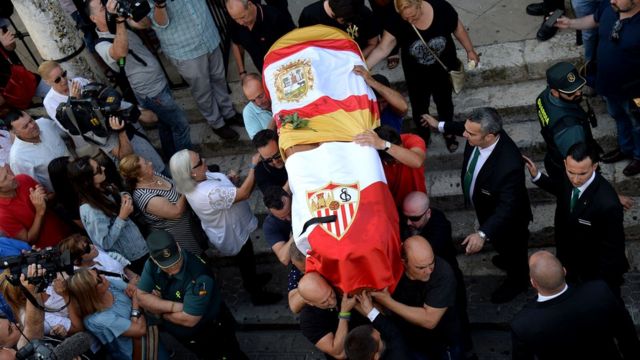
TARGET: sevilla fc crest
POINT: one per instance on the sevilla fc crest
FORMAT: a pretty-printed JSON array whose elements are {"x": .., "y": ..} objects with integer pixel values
[{"x": 340, "y": 200}]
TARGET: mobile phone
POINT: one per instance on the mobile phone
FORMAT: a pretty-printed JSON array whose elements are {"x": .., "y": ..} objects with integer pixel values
[{"x": 551, "y": 20}]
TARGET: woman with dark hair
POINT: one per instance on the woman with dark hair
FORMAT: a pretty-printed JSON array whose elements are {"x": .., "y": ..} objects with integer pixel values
[
  {"x": 66, "y": 198},
  {"x": 163, "y": 207},
  {"x": 109, "y": 310},
  {"x": 105, "y": 213}
]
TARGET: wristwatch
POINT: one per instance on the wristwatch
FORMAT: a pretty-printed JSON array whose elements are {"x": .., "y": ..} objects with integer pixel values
[
  {"x": 387, "y": 145},
  {"x": 482, "y": 235},
  {"x": 135, "y": 313}
]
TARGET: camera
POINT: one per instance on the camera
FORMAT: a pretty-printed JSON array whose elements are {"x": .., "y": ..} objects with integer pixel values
[
  {"x": 50, "y": 259},
  {"x": 35, "y": 349},
  {"x": 88, "y": 115},
  {"x": 134, "y": 9}
]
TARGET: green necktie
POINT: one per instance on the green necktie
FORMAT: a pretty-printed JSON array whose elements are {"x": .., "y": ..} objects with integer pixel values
[
  {"x": 575, "y": 194},
  {"x": 468, "y": 176}
]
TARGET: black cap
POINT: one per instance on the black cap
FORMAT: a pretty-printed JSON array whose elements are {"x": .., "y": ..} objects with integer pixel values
[
  {"x": 565, "y": 78},
  {"x": 163, "y": 248}
]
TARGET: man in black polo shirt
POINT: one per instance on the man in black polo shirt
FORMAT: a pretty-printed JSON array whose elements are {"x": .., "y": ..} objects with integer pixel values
[
  {"x": 424, "y": 301},
  {"x": 255, "y": 28},
  {"x": 347, "y": 15},
  {"x": 270, "y": 171},
  {"x": 320, "y": 321}
]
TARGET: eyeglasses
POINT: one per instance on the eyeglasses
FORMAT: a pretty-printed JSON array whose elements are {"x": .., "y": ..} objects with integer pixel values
[
  {"x": 259, "y": 97},
  {"x": 615, "y": 32},
  {"x": 199, "y": 163},
  {"x": 87, "y": 248},
  {"x": 275, "y": 156},
  {"x": 417, "y": 217},
  {"x": 59, "y": 78}
]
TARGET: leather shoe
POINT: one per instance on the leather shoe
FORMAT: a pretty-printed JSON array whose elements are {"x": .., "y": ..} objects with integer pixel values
[
  {"x": 546, "y": 32},
  {"x": 614, "y": 156},
  {"x": 535, "y": 9},
  {"x": 235, "y": 120},
  {"x": 265, "y": 298},
  {"x": 226, "y": 133},
  {"x": 499, "y": 262},
  {"x": 508, "y": 290},
  {"x": 633, "y": 168}
]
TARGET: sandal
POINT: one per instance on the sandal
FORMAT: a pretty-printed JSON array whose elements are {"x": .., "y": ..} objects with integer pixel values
[
  {"x": 393, "y": 61},
  {"x": 451, "y": 143}
]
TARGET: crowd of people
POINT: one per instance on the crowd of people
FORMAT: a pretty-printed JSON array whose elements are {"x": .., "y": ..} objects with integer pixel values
[{"x": 139, "y": 222}]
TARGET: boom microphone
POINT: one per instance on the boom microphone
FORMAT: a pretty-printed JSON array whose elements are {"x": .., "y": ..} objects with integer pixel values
[{"x": 73, "y": 346}]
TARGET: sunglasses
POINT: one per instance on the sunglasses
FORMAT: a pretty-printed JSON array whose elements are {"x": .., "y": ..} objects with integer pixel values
[
  {"x": 98, "y": 170},
  {"x": 615, "y": 32},
  {"x": 87, "y": 248},
  {"x": 59, "y": 78},
  {"x": 198, "y": 164},
  {"x": 417, "y": 217},
  {"x": 276, "y": 156}
]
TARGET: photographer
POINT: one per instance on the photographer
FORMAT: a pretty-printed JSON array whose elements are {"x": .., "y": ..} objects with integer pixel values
[
  {"x": 125, "y": 52},
  {"x": 118, "y": 144}
]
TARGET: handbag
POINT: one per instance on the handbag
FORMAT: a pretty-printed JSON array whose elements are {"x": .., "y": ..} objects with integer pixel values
[
  {"x": 457, "y": 76},
  {"x": 21, "y": 85}
]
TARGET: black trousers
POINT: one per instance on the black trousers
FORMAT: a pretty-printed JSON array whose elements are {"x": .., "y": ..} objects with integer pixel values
[
  {"x": 551, "y": 5},
  {"x": 423, "y": 82},
  {"x": 513, "y": 248},
  {"x": 246, "y": 262},
  {"x": 217, "y": 339}
]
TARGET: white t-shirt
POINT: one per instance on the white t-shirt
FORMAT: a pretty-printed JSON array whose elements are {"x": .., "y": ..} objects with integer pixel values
[
  {"x": 33, "y": 158},
  {"x": 227, "y": 224}
]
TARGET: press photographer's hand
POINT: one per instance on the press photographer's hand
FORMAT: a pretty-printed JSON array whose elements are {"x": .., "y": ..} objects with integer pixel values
[{"x": 116, "y": 124}]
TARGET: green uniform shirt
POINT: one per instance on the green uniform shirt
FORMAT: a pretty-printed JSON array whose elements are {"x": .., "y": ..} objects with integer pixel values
[{"x": 193, "y": 286}]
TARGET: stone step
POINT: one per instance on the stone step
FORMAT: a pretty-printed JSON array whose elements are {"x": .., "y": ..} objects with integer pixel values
[
  {"x": 507, "y": 62},
  {"x": 479, "y": 287}
]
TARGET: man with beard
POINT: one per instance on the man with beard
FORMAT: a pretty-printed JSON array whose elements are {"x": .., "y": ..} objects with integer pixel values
[{"x": 563, "y": 121}]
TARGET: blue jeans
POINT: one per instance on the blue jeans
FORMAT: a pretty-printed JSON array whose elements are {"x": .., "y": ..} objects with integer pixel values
[
  {"x": 628, "y": 126},
  {"x": 173, "y": 126},
  {"x": 589, "y": 37}
]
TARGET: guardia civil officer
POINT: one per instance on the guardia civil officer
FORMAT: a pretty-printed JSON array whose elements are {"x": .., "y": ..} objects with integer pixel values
[
  {"x": 563, "y": 121},
  {"x": 189, "y": 301}
]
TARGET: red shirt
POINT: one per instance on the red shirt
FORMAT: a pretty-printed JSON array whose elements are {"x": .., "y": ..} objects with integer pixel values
[
  {"x": 403, "y": 179},
  {"x": 18, "y": 213}
]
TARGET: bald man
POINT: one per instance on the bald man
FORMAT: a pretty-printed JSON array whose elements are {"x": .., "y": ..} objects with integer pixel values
[
  {"x": 257, "y": 113},
  {"x": 564, "y": 322},
  {"x": 421, "y": 219},
  {"x": 255, "y": 27},
  {"x": 320, "y": 321},
  {"x": 424, "y": 302}
]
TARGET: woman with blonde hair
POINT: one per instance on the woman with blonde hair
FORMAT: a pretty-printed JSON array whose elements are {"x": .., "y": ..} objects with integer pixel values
[
  {"x": 163, "y": 207},
  {"x": 423, "y": 31},
  {"x": 109, "y": 310}
]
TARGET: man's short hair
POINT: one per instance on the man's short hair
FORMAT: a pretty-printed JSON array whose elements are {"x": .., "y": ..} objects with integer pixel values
[
  {"x": 347, "y": 10},
  {"x": 263, "y": 137},
  {"x": 296, "y": 255},
  {"x": 46, "y": 67},
  {"x": 251, "y": 76},
  {"x": 488, "y": 118},
  {"x": 581, "y": 151},
  {"x": 12, "y": 115},
  {"x": 359, "y": 344},
  {"x": 272, "y": 197},
  {"x": 386, "y": 132}
]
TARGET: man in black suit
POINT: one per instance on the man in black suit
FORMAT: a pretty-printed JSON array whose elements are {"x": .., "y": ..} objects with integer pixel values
[
  {"x": 382, "y": 341},
  {"x": 583, "y": 322},
  {"x": 494, "y": 184},
  {"x": 589, "y": 229}
]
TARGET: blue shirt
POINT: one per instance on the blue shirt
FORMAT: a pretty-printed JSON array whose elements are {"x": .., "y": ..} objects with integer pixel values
[
  {"x": 255, "y": 118},
  {"x": 276, "y": 230},
  {"x": 190, "y": 31},
  {"x": 390, "y": 118},
  {"x": 618, "y": 62},
  {"x": 109, "y": 324},
  {"x": 113, "y": 234}
]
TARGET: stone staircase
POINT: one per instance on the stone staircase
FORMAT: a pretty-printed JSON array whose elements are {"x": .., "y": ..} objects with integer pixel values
[{"x": 510, "y": 77}]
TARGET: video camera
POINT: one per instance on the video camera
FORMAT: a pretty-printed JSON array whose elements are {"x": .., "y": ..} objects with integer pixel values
[
  {"x": 49, "y": 259},
  {"x": 88, "y": 114},
  {"x": 134, "y": 9}
]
